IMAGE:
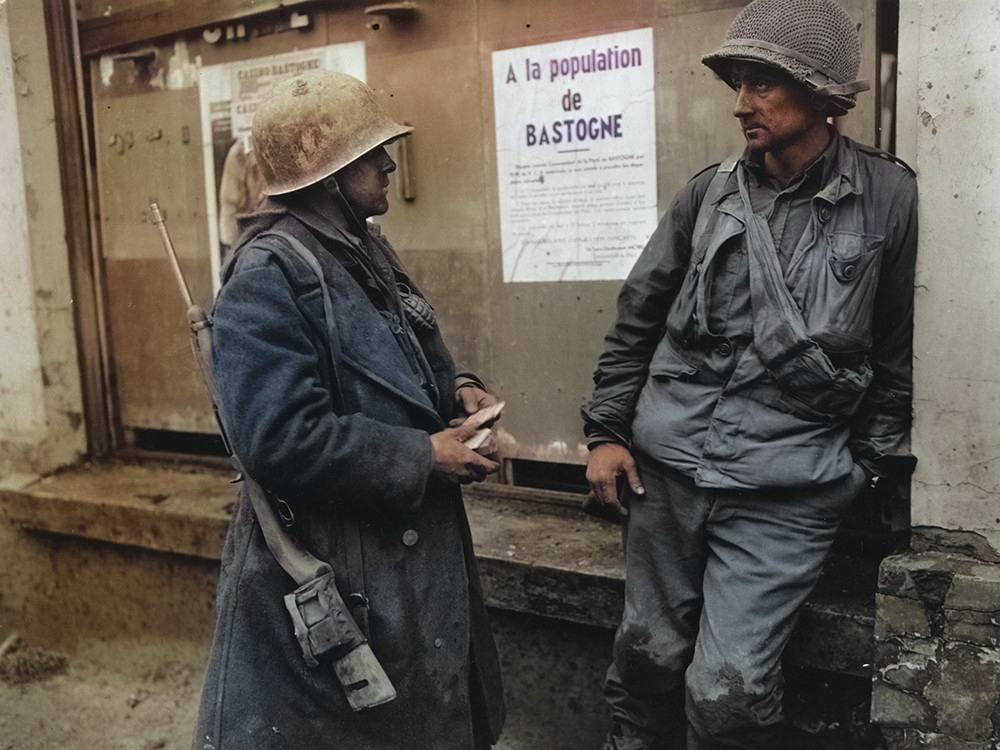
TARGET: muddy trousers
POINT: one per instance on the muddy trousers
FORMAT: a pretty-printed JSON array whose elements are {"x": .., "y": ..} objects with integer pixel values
[{"x": 715, "y": 580}]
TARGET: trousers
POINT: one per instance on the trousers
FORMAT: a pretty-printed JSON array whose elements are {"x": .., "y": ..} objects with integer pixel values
[{"x": 714, "y": 583}]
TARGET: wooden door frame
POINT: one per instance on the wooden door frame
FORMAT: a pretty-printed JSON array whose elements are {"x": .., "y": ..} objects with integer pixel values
[{"x": 75, "y": 159}]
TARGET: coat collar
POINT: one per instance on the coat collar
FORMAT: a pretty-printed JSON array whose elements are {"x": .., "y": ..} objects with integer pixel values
[
  {"x": 839, "y": 164},
  {"x": 315, "y": 206}
]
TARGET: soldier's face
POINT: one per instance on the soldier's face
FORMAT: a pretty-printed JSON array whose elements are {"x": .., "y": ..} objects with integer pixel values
[
  {"x": 775, "y": 111},
  {"x": 364, "y": 182}
]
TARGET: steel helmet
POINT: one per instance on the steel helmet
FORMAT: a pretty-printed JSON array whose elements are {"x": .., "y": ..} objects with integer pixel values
[
  {"x": 315, "y": 124},
  {"x": 814, "y": 41}
]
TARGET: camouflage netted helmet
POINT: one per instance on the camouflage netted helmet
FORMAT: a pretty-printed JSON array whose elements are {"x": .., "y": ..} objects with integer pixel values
[
  {"x": 315, "y": 124},
  {"x": 814, "y": 41}
]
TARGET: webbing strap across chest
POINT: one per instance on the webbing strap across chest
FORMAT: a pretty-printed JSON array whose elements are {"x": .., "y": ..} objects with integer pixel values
[
  {"x": 354, "y": 574},
  {"x": 780, "y": 334}
]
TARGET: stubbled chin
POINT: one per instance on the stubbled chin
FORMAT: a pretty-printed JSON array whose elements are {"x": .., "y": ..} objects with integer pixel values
[{"x": 754, "y": 143}]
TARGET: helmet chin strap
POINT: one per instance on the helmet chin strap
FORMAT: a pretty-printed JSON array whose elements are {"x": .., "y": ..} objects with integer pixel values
[{"x": 333, "y": 190}]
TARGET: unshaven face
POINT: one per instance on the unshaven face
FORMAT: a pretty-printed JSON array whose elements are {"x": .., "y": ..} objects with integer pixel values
[
  {"x": 364, "y": 182},
  {"x": 776, "y": 112}
]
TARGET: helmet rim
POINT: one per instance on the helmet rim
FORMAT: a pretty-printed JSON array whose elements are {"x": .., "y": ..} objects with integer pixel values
[
  {"x": 315, "y": 124},
  {"x": 762, "y": 33}
]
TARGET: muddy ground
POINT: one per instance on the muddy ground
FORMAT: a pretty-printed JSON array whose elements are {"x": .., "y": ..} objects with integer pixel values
[{"x": 50, "y": 702}]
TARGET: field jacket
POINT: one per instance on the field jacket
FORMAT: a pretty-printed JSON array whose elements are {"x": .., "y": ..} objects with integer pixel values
[
  {"x": 740, "y": 399},
  {"x": 336, "y": 423}
]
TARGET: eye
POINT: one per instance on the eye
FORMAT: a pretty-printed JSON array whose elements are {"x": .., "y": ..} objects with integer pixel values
[{"x": 758, "y": 83}]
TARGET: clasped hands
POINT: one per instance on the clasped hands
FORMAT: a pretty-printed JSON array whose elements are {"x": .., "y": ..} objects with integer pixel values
[{"x": 461, "y": 450}]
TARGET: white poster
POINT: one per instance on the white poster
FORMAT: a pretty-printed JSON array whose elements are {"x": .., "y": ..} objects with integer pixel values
[
  {"x": 230, "y": 94},
  {"x": 576, "y": 156}
]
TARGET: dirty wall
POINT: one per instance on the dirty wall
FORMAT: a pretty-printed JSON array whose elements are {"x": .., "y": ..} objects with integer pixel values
[
  {"x": 947, "y": 129},
  {"x": 949, "y": 97},
  {"x": 41, "y": 414},
  {"x": 936, "y": 677}
]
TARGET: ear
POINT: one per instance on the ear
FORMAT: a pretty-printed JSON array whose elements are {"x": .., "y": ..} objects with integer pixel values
[{"x": 820, "y": 103}]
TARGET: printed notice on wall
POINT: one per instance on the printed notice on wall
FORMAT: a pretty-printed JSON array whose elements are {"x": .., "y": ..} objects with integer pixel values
[
  {"x": 230, "y": 94},
  {"x": 576, "y": 156}
]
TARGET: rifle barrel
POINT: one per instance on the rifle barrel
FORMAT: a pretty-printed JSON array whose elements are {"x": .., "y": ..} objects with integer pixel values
[{"x": 175, "y": 265}]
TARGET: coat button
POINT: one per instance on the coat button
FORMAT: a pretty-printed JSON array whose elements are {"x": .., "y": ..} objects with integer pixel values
[
  {"x": 725, "y": 349},
  {"x": 438, "y": 643},
  {"x": 850, "y": 271},
  {"x": 824, "y": 214},
  {"x": 410, "y": 537}
]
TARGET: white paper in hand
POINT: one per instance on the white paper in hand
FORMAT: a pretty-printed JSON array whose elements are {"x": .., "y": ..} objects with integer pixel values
[{"x": 480, "y": 418}]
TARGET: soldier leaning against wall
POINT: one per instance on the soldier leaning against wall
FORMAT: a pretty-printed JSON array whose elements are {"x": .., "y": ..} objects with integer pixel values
[{"x": 757, "y": 379}]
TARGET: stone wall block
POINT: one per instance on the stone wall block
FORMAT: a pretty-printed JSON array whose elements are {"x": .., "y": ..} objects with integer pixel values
[
  {"x": 906, "y": 667},
  {"x": 895, "y": 578},
  {"x": 909, "y": 677},
  {"x": 912, "y": 739},
  {"x": 937, "y": 658},
  {"x": 901, "y": 616},
  {"x": 967, "y": 693},
  {"x": 974, "y": 589},
  {"x": 893, "y": 707},
  {"x": 979, "y": 628},
  {"x": 925, "y": 577}
]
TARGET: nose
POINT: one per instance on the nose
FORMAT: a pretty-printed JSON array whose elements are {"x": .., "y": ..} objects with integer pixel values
[
  {"x": 741, "y": 108},
  {"x": 385, "y": 162}
]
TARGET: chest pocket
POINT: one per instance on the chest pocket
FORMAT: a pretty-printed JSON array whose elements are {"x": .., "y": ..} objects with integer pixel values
[
  {"x": 715, "y": 226},
  {"x": 837, "y": 292}
]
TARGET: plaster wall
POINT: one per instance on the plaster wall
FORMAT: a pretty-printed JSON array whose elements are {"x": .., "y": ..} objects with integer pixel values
[
  {"x": 41, "y": 426},
  {"x": 949, "y": 131},
  {"x": 20, "y": 383}
]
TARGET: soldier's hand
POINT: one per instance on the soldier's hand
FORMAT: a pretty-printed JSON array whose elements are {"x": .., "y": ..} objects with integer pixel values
[
  {"x": 471, "y": 399},
  {"x": 456, "y": 462},
  {"x": 612, "y": 474}
]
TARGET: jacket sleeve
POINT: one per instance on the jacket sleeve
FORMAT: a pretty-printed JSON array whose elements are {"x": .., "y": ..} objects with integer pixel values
[
  {"x": 643, "y": 302},
  {"x": 280, "y": 415},
  {"x": 880, "y": 437},
  {"x": 464, "y": 376}
]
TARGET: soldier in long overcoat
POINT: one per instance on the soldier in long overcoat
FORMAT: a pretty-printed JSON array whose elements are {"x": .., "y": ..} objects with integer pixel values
[{"x": 341, "y": 399}]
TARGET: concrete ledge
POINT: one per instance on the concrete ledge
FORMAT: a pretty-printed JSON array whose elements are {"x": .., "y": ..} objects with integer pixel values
[
  {"x": 183, "y": 511},
  {"x": 545, "y": 556},
  {"x": 538, "y": 552}
]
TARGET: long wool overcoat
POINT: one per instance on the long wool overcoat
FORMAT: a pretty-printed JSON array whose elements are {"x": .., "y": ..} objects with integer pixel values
[{"x": 336, "y": 424}]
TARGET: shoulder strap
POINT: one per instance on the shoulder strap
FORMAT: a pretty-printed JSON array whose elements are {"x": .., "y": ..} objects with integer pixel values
[
  {"x": 286, "y": 548},
  {"x": 877, "y": 152},
  {"x": 300, "y": 251},
  {"x": 355, "y": 575},
  {"x": 711, "y": 197}
]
